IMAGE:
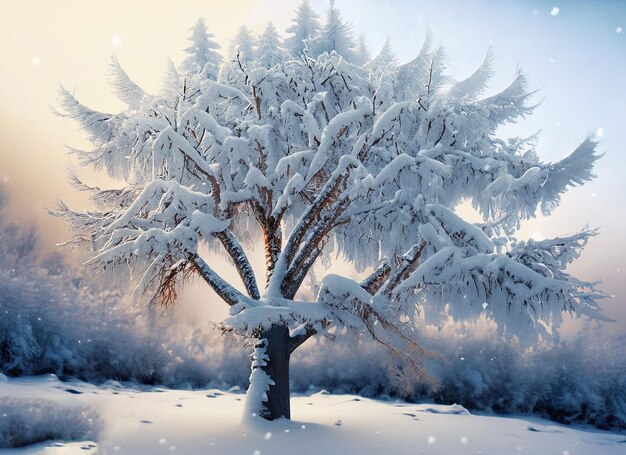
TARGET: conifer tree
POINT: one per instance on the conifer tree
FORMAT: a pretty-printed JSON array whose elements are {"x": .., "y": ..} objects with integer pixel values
[
  {"x": 361, "y": 53},
  {"x": 384, "y": 63},
  {"x": 270, "y": 49},
  {"x": 303, "y": 30},
  {"x": 336, "y": 35},
  {"x": 202, "y": 57},
  {"x": 243, "y": 46}
]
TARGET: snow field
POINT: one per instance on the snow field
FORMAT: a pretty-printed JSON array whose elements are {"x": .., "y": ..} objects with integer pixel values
[{"x": 153, "y": 421}]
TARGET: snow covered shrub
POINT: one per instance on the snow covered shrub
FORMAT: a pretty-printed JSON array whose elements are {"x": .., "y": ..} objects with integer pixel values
[
  {"x": 580, "y": 381},
  {"x": 60, "y": 323},
  {"x": 64, "y": 325},
  {"x": 354, "y": 365},
  {"x": 26, "y": 421},
  {"x": 583, "y": 381}
]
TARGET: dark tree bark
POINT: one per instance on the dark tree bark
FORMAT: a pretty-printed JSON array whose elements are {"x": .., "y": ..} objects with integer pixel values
[{"x": 277, "y": 405}]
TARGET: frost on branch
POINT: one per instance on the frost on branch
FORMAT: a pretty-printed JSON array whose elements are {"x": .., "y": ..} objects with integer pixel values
[
  {"x": 313, "y": 155},
  {"x": 525, "y": 290}
]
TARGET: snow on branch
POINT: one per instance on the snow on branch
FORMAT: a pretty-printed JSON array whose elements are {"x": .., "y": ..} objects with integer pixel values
[
  {"x": 475, "y": 84},
  {"x": 124, "y": 87},
  {"x": 100, "y": 126},
  {"x": 517, "y": 190},
  {"x": 573, "y": 170},
  {"x": 525, "y": 290},
  {"x": 222, "y": 288}
]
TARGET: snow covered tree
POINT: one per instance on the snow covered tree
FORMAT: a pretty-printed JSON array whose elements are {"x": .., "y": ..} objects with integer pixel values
[
  {"x": 243, "y": 45},
  {"x": 202, "y": 56},
  {"x": 318, "y": 157},
  {"x": 270, "y": 49},
  {"x": 384, "y": 63},
  {"x": 361, "y": 53},
  {"x": 304, "y": 29},
  {"x": 335, "y": 35}
]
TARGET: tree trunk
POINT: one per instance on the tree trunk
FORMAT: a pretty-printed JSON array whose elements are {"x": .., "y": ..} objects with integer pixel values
[{"x": 268, "y": 396}]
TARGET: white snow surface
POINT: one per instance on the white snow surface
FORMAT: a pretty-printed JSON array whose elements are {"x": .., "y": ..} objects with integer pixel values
[{"x": 152, "y": 421}]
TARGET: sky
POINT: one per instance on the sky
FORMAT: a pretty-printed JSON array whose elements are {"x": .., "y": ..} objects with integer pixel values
[{"x": 574, "y": 53}]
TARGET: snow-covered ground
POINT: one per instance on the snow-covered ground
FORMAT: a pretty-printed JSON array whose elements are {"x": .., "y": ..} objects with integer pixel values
[{"x": 154, "y": 421}]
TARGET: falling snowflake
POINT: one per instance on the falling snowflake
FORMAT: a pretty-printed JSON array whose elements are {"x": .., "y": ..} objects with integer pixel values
[
  {"x": 618, "y": 30},
  {"x": 431, "y": 440},
  {"x": 116, "y": 40},
  {"x": 555, "y": 11}
]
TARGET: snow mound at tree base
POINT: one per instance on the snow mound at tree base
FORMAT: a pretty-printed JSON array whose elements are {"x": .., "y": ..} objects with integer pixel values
[{"x": 27, "y": 421}]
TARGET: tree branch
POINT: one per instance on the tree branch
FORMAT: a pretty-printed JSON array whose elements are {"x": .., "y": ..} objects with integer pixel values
[
  {"x": 376, "y": 279},
  {"x": 404, "y": 270},
  {"x": 311, "y": 249},
  {"x": 329, "y": 194},
  {"x": 294, "y": 278},
  {"x": 226, "y": 292},
  {"x": 296, "y": 341},
  {"x": 272, "y": 235},
  {"x": 238, "y": 255}
]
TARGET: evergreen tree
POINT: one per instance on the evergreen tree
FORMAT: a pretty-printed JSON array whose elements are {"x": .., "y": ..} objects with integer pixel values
[
  {"x": 270, "y": 49},
  {"x": 384, "y": 63},
  {"x": 361, "y": 53},
  {"x": 336, "y": 35},
  {"x": 202, "y": 57},
  {"x": 304, "y": 29},
  {"x": 242, "y": 45}
]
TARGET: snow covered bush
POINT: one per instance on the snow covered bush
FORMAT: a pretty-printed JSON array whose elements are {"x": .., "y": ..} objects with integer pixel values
[
  {"x": 581, "y": 381},
  {"x": 48, "y": 325},
  {"x": 53, "y": 320},
  {"x": 585, "y": 382},
  {"x": 26, "y": 421},
  {"x": 315, "y": 156}
]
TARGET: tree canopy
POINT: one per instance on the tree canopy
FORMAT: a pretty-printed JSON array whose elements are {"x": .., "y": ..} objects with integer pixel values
[{"x": 315, "y": 156}]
